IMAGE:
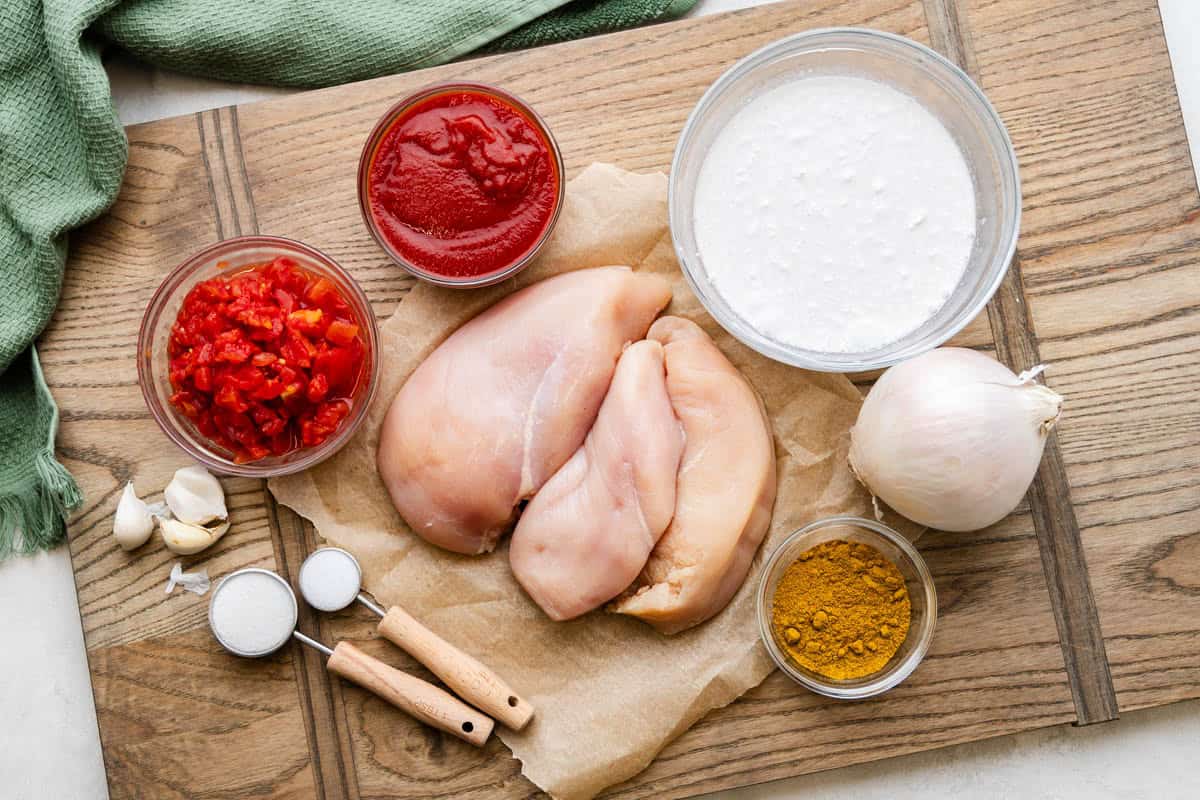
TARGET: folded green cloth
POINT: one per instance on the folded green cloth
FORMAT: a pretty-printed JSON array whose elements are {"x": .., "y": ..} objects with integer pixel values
[{"x": 63, "y": 152}]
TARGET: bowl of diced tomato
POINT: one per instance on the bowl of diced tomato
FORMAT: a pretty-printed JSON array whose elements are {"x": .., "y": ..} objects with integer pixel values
[{"x": 257, "y": 356}]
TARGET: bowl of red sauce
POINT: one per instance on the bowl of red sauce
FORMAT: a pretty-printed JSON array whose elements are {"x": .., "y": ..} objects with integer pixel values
[
  {"x": 461, "y": 184},
  {"x": 257, "y": 356}
]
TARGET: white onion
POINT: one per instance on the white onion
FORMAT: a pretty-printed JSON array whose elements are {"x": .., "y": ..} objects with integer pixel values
[{"x": 952, "y": 438}]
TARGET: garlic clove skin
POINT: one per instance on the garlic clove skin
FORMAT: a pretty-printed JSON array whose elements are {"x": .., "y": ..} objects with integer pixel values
[
  {"x": 194, "y": 582},
  {"x": 952, "y": 439},
  {"x": 187, "y": 539},
  {"x": 133, "y": 523},
  {"x": 195, "y": 496}
]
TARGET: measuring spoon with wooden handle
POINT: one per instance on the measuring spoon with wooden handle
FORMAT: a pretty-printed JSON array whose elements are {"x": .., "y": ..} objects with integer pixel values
[
  {"x": 253, "y": 613},
  {"x": 331, "y": 579},
  {"x": 418, "y": 698}
]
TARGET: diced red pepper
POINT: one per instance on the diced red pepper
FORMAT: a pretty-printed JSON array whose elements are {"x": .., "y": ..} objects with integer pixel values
[
  {"x": 318, "y": 387},
  {"x": 341, "y": 332},
  {"x": 268, "y": 390},
  {"x": 262, "y": 324},
  {"x": 309, "y": 321},
  {"x": 231, "y": 346},
  {"x": 318, "y": 427},
  {"x": 291, "y": 390},
  {"x": 297, "y": 350},
  {"x": 228, "y": 397},
  {"x": 265, "y": 360},
  {"x": 285, "y": 299},
  {"x": 281, "y": 443},
  {"x": 340, "y": 366},
  {"x": 273, "y": 427},
  {"x": 202, "y": 379},
  {"x": 321, "y": 291},
  {"x": 185, "y": 401}
]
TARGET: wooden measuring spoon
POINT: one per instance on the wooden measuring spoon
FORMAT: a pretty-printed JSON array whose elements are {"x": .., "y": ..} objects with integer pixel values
[
  {"x": 418, "y": 698},
  {"x": 330, "y": 580},
  {"x": 265, "y": 600}
]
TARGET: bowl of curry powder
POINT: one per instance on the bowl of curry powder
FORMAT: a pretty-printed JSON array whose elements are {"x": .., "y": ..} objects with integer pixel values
[{"x": 847, "y": 607}]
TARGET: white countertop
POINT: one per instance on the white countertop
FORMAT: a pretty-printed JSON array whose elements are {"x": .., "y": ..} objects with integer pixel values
[{"x": 49, "y": 747}]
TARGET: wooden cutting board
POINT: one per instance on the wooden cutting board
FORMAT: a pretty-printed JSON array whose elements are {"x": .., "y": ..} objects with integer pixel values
[{"x": 1084, "y": 603}]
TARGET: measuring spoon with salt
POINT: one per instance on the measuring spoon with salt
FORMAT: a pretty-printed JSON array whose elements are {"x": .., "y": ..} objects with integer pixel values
[
  {"x": 253, "y": 613},
  {"x": 331, "y": 579}
]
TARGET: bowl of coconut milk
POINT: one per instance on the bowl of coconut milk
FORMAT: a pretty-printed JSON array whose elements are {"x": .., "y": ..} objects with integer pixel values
[{"x": 844, "y": 199}]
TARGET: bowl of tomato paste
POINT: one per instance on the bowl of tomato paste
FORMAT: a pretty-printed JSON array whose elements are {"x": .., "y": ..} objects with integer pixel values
[
  {"x": 257, "y": 356},
  {"x": 461, "y": 184}
]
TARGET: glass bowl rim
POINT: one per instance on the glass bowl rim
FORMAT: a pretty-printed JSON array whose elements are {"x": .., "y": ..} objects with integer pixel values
[
  {"x": 884, "y": 680},
  {"x": 384, "y": 123},
  {"x": 165, "y": 417},
  {"x": 877, "y": 42}
]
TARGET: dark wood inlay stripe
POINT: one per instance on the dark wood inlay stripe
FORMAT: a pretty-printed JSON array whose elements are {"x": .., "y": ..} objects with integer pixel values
[
  {"x": 292, "y": 539},
  {"x": 204, "y": 129},
  {"x": 243, "y": 178},
  {"x": 1059, "y": 540},
  {"x": 320, "y": 695}
]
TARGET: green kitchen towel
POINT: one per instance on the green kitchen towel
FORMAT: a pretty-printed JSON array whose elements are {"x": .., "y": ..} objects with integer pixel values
[{"x": 63, "y": 152}]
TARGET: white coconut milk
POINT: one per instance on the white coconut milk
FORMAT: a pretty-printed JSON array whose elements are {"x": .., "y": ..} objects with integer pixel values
[{"x": 834, "y": 213}]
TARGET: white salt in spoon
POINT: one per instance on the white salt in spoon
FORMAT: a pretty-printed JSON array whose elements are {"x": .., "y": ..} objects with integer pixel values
[
  {"x": 253, "y": 613},
  {"x": 331, "y": 579}
]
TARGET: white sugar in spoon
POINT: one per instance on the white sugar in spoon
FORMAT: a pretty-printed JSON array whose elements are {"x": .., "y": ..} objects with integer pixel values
[
  {"x": 253, "y": 613},
  {"x": 331, "y": 579}
]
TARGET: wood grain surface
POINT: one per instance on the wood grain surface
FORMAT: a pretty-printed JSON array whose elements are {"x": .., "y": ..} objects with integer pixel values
[
  {"x": 1110, "y": 258},
  {"x": 1063, "y": 560},
  {"x": 1107, "y": 292}
]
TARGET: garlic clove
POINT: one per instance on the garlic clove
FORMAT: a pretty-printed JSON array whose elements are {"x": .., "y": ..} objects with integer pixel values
[
  {"x": 186, "y": 539},
  {"x": 217, "y": 531},
  {"x": 183, "y": 538},
  {"x": 133, "y": 523},
  {"x": 195, "y": 496}
]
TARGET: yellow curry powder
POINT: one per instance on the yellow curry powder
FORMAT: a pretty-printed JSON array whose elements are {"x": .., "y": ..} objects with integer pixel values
[{"x": 841, "y": 610}]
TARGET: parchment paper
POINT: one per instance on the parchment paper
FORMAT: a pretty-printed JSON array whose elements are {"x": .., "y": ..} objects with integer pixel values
[{"x": 609, "y": 691}]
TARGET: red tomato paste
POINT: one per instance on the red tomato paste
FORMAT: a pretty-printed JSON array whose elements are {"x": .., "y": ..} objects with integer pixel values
[
  {"x": 265, "y": 361},
  {"x": 463, "y": 184}
]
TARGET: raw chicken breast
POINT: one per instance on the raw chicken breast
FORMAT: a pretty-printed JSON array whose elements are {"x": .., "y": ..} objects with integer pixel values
[
  {"x": 586, "y": 534},
  {"x": 499, "y": 406},
  {"x": 725, "y": 491}
]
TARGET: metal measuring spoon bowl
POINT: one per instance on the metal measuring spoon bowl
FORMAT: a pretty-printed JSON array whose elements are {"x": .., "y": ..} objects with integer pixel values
[
  {"x": 331, "y": 579},
  {"x": 252, "y": 612}
]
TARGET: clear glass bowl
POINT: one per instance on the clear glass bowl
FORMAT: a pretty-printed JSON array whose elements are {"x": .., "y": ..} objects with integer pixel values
[
  {"x": 945, "y": 91},
  {"x": 153, "y": 368},
  {"x": 368, "y": 155},
  {"x": 917, "y": 578}
]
